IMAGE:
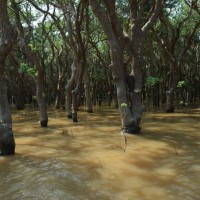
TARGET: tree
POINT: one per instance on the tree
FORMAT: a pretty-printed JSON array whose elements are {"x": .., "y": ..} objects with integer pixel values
[
  {"x": 133, "y": 40},
  {"x": 37, "y": 63},
  {"x": 175, "y": 42},
  {"x": 113, "y": 53},
  {"x": 8, "y": 37}
]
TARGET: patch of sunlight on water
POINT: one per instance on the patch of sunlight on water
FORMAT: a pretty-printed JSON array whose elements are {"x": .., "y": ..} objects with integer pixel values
[{"x": 90, "y": 159}]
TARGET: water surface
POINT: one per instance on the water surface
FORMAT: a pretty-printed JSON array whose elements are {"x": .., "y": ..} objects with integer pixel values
[{"x": 90, "y": 159}]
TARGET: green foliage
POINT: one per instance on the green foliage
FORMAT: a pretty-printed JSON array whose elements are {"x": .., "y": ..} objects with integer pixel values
[
  {"x": 24, "y": 68},
  {"x": 181, "y": 84},
  {"x": 151, "y": 81},
  {"x": 48, "y": 36},
  {"x": 123, "y": 104},
  {"x": 33, "y": 47}
]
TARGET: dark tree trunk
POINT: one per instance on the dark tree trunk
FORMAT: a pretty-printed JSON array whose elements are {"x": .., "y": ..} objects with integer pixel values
[
  {"x": 74, "y": 105},
  {"x": 69, "y": 88},
  {"x": 41, "y": 99},
  {"x": 37, "y": 63},
  {"x": 7, "y": 39},
  {"x": 7, "y": 142},
  {"x": 75, "y": 92},
  {"x": 17, "y": 84},
  {"x": 58, "y": 99},
  {"x": 170, "y": 92},
  {"x": 114, "y": 31},
  {"x": 19, "y": 94},
  {"x": 88, "y": 98},
  {"x": 156, "y": 95}
]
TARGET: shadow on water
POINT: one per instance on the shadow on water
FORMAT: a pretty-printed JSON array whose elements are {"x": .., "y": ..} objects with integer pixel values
[
  {"x": 181, "y": 132},
  {"x": 90, "y": 159}
]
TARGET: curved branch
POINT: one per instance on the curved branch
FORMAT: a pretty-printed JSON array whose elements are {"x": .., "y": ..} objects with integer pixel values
[{"x": 152, "y": 20}]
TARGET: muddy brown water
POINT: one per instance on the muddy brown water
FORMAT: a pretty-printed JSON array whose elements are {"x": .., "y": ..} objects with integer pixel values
[{"x": 90, "y": 160}]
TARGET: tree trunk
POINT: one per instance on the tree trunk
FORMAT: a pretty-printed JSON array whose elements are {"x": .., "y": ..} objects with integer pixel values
[
  {"x": 136, "y": 100},
  {"x": 41, "y": 99},
  {"x": 58, "y": 99},
  {"x": 172, "y": 87},
  {"x": 119, "y": 80},
  {"x": 156, "y": 95},
  {"x": 107, "y": 16},
  {"x": 81, "y": 66},
  {"x": 69, "y": 88},
  {"x": 117, "y": 66},
  {"x": 59, "y": 88},
  {"x": 7, "y": 143},
  {"x": 7, "y": 39},
  {"x": 36, "y": 61},
  {"x": 18, "y": 93},
  {"x": 74, "y": 105},
  {"x": 60, "y": 84},
  {"x": 87, "y": 92},
  {"x": 17, "y": 84},
  {"x": 5, "y": 108}
]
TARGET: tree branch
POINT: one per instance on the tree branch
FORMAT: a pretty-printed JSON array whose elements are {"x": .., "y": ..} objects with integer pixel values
[{"x": 152, "y": 20}]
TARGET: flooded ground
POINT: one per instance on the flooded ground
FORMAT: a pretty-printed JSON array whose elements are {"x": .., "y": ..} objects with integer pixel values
[{"x": 90, "y": 160}]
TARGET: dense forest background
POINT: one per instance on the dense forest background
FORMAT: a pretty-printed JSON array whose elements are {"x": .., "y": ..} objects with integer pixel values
[{"x": 79, "y": 52}]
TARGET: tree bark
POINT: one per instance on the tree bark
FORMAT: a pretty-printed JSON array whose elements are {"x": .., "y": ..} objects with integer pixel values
[
  {"x": 114, "y": 34},
  {"x": 112, "y": 27},
  {"x": 58, "y": 98},
  {"x": 41, "y": 99},
  {"x": 17, "y": 84},
  {"x": 7, "y": 142},
  {"x": 88, "y": 98},
  {"x": 61, "y": 72},
  {"x": 69, "y": 88},
  {"x": 7, "y": 39}
]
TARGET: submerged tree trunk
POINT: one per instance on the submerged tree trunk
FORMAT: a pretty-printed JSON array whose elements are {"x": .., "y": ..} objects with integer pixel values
[
  {"x": 170, "y": 93},
  {"x": 88, "y": 98},
  {"x": 156, "y": 95},
  {"x": 75, "y": 105},
  {"x": 7, "y": 39},
  {"x": 17, "y": 84},
  {"x": 59, "y": 89},
  {"x": 115, "y": 37},
  {"x": 107, "y": 16},
  {"x": 41, "y": 99},
  {"x": 18, "y": 94},
  {"x": 120, "y": 82},
  {"x": 78, "y": 66},
  {"x": 61, "y": 68},
  {"x": 81, "y": 65},
  {"x": 7, "y": 143},
  {"x": 40, "y": 95},
  {"x": 136, "y": 97},
  {"x": 69, "y": 88},
  {"x": 34, "y": 59},
  {"x": 136, "y": 45},
  {"x": 58, "y": 99}
]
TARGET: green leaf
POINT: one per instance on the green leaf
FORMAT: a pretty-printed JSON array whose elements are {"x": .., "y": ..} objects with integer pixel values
[
  {"x": 25, "y": 68},
  {"x": 123, "y": 104},
  {"x": 181, "y": 84},
  {"x": 151, "y": 81}
]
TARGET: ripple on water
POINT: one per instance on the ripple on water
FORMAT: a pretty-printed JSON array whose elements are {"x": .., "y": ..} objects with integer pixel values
[
  {"x": 89, "y": 162},
  {"x": 44, "y": 179}
]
